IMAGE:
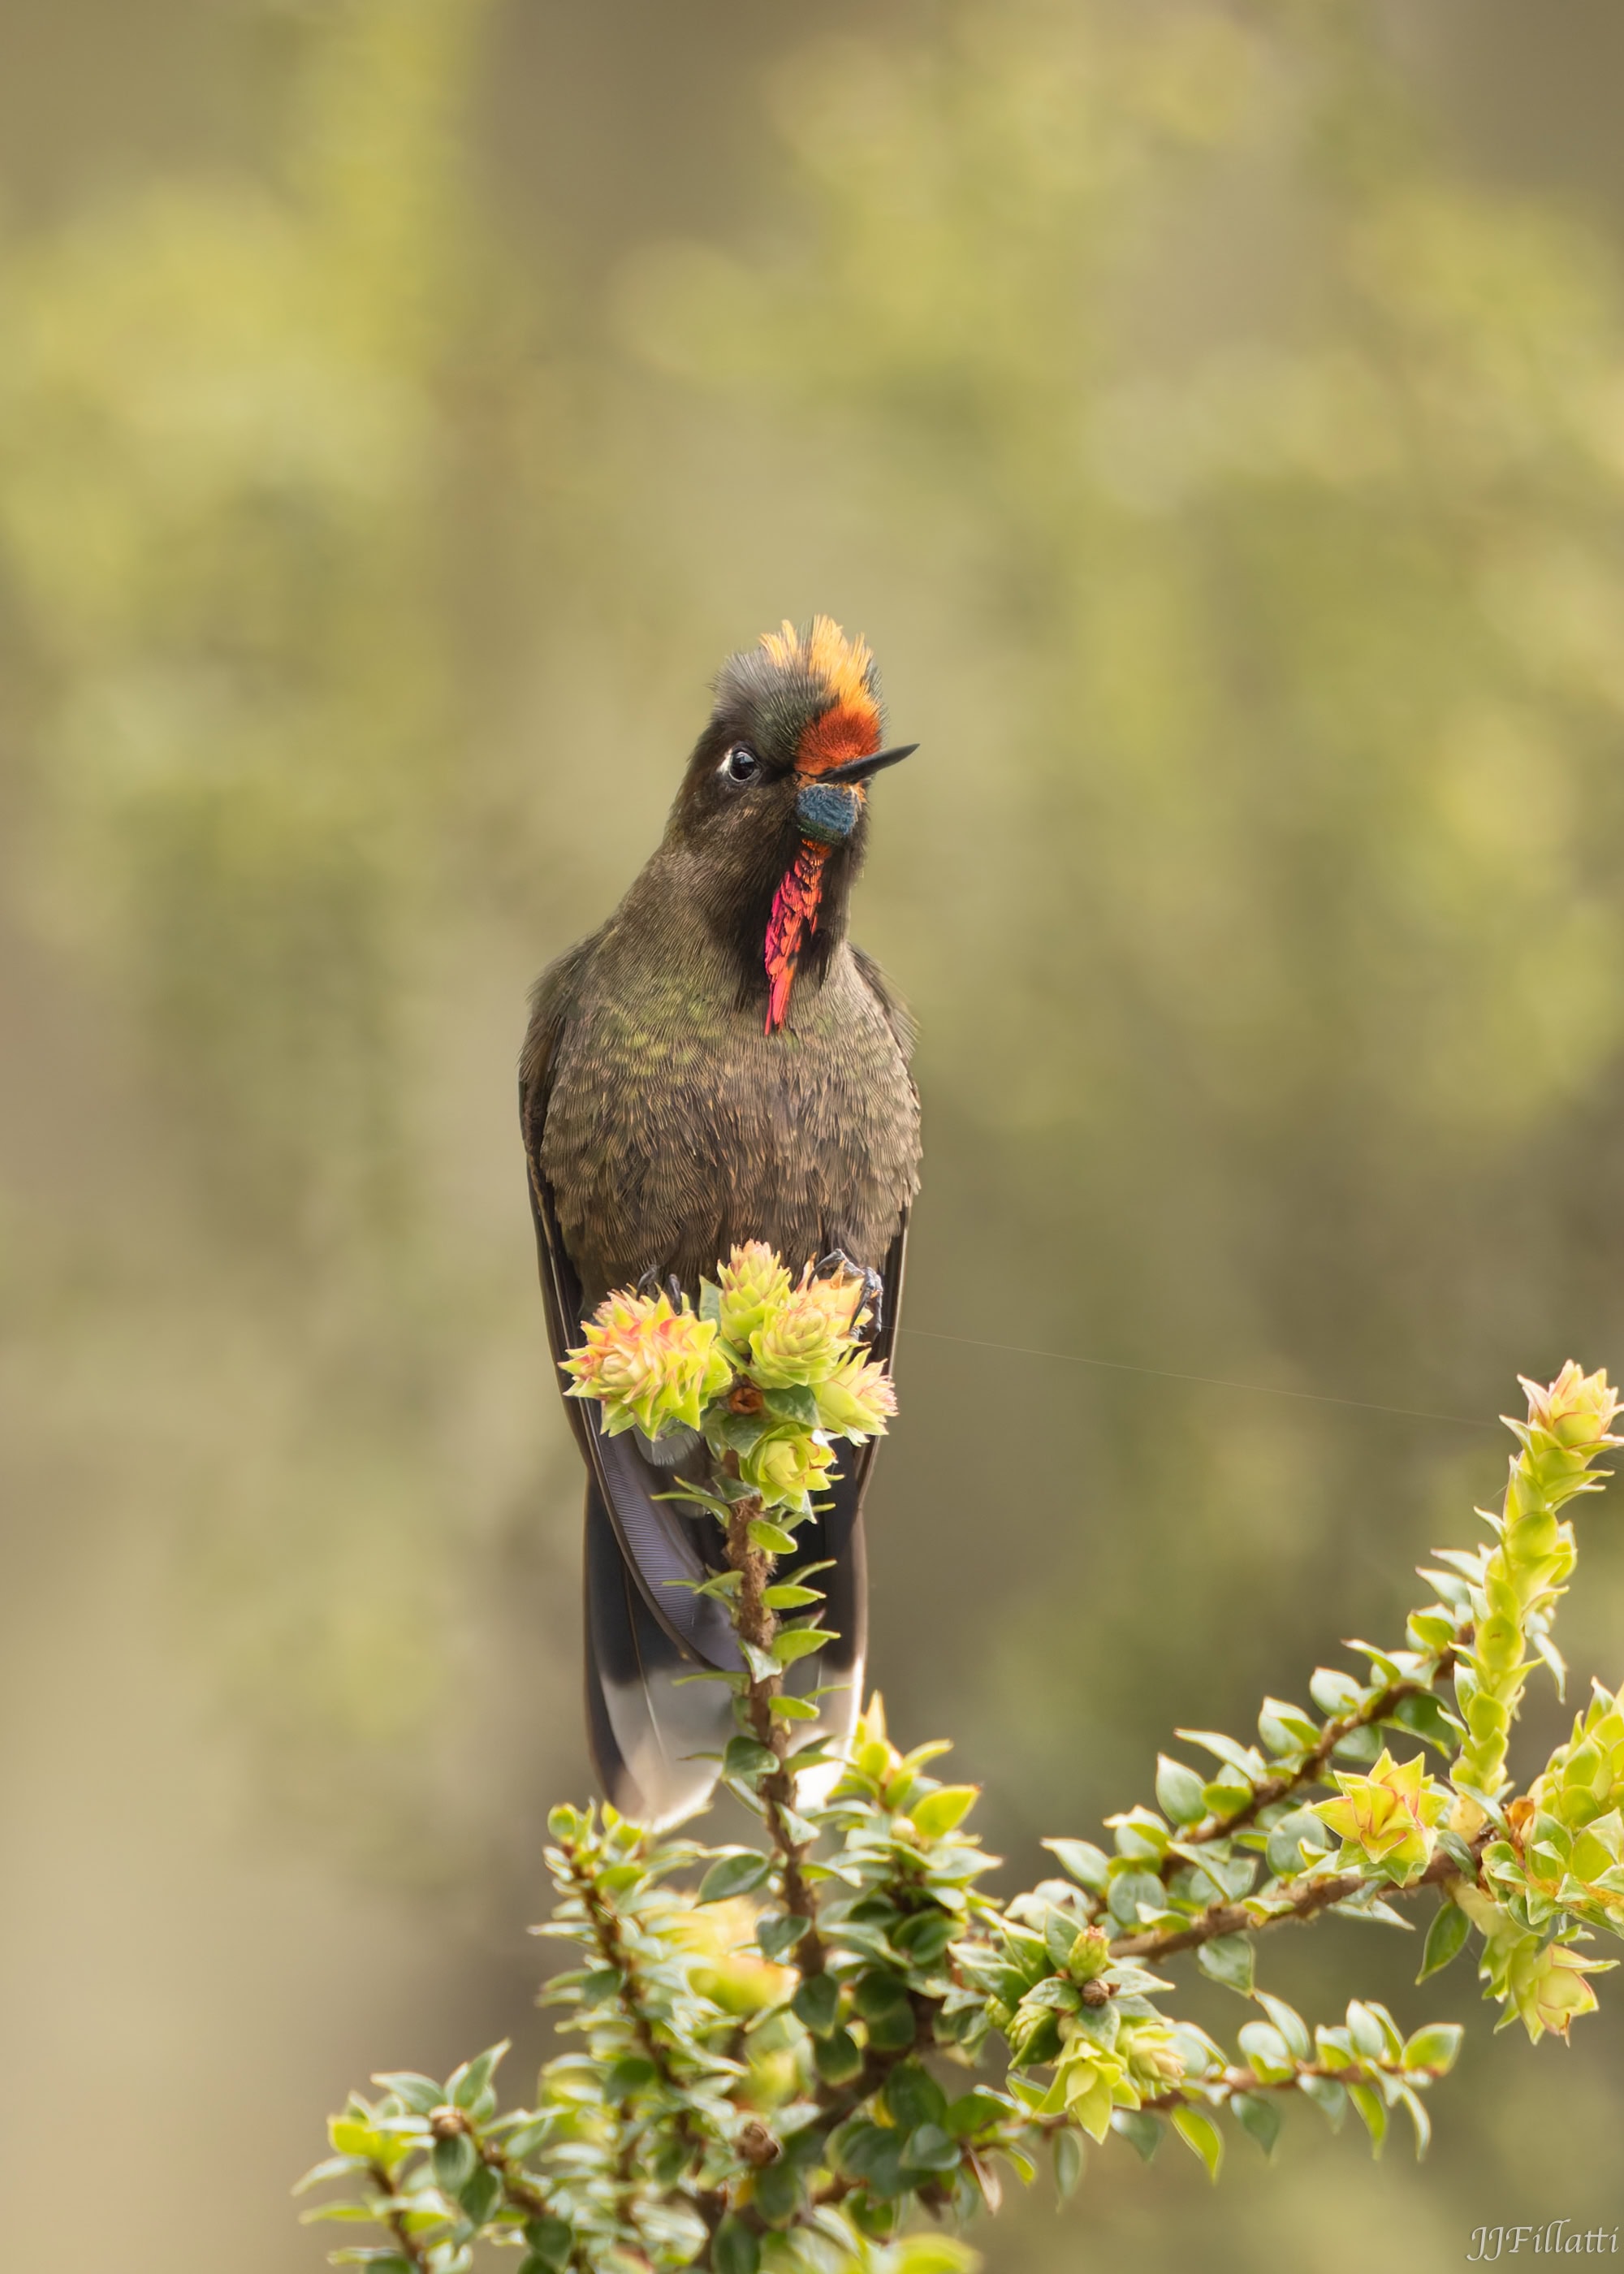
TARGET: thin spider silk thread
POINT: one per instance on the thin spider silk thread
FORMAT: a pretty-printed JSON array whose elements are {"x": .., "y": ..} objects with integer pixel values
[{"x": 1211, "y": 1381}]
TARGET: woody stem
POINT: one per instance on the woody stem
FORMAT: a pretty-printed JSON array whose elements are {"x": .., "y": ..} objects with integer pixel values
[{"x": 757, "y": 1626}]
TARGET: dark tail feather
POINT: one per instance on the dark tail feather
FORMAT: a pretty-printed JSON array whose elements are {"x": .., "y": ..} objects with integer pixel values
[
  {"x": 643, "y": 1728},
  {"x": 837, "y": 1537}
]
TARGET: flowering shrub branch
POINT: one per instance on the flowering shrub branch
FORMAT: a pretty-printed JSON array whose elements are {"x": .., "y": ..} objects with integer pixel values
[{"x": 786, "y": 2054}]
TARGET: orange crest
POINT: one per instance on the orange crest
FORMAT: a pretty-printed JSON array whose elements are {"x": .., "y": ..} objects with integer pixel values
[{"x": 850, "y": 727}]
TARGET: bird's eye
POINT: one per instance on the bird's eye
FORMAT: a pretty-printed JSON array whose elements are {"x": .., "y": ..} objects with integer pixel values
[{"x": 740, "y": 764}]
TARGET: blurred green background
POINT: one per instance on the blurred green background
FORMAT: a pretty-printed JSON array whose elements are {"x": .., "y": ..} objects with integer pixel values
[{"x": 1214, "y": 417}]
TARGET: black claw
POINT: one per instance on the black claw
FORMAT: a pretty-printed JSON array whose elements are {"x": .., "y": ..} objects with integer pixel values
[
  {"x": 653, "y": 1281},
  {"x": 838, "y": 1262}
]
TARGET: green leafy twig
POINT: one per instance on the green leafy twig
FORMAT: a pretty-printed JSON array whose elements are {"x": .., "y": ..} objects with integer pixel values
[
  {"x": 1516, "y": 1584},
  {"x": 392, "y": 2215},
  {"x": 721, "y": 2102}
]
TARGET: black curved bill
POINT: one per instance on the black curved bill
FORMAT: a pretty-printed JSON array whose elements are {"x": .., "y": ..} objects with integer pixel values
[{"x": 858, "y": 769}]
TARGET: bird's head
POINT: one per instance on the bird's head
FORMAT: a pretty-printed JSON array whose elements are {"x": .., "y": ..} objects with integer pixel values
[{"x": 774, "y": 804}]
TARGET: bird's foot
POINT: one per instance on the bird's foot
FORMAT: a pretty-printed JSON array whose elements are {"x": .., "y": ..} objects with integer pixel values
[
  {"x": 871, "y": 1311},
  {"x": 653, "y": 1281}
]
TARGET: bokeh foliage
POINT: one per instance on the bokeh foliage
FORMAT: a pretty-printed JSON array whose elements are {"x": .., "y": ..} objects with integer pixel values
[{"x": 1229, "y": 482}]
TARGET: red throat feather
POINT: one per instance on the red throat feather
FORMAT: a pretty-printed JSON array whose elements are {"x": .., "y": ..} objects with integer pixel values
[
  {"x": 792, "y": 924},
  {"x": 848, "y": 727}
]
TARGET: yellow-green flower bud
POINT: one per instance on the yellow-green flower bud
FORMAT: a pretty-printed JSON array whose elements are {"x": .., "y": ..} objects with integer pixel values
[
  {"x": 1153, "y": 2058},
  {"x": 1090, "y": 1955},
  {"x": 786, "y": 1466},
  {"x": 650, "y": 1366},
  {"x": 1548, "y": 1987},
  {"x": 1387, "y": 1817},
  {"x": 857, "y": 1400},
  {"x": 1585, "y": 1779},
  {"x": 1090, "y": 2080},
  {"x": 802, "y": 1339},
  {"x": 750, "y": 1284}
]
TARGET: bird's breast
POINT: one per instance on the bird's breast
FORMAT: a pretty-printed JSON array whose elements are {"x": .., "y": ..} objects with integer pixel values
[{"x": 676, "y": 1127}]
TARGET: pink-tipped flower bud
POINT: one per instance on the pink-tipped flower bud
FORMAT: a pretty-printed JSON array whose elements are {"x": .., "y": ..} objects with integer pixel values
[
  {"x": 1576, "y": 1409},
  {"x": 649, "y": 1367},
  {"x": 857, "y": 1400}
]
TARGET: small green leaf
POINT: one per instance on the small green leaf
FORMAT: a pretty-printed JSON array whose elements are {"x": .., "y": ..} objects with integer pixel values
[
  {"x": 924, "y": 1937},
  {"x": 1290, "y": 2022},
  {"x": 481, "y": 2195},
  {"x": 1140, "y": 2129},
  {"x": 930, "y": 2149},
  {"x": 1198, "y": 2131},
  {"x": 796, "y": 1643},
  {"x": 735, "y": 1873},
  {"x": 1228, "y": 1959},
  {"x": 1069, "y": 2158},
  {"x": 1267, "y": 2053},
  {"x": 1435, "y": 2047},
  {"x": 941, "y": 1811},
  {"x": 1128, "y": 1891},
  {"x": 1446, "y": 1939},
  {"x": 351, "y": 2137},
  {"x": 777, "y": 2193},
  {"x": 1285, "y": 1727},
  {"x": 420, "y": 2094},
  {"x": 1425, "y": 1717},
  {"x": 525, "y": 2138},
  {"x": 788, "y": 1597},
  {"x": 912, "y": 2096},
  {"x": 816, "y": 2004},
  {"x": 1179, "y": 1791},
  {"x": 465, "y": 2085},
  {"x": 1373, "y": 2113},
  {"x": 1289, "y": 1834},
  {"x": 1241, "y": 1758},
  {"x": 794, "y": 1403},
  {"x": 745, "y": 1758},
  {"x": 334, "y": 2167},
  {"x": 1419, "y": 2117},
  {"x": 786, "y": 1708},
  {"x": 778, "y": 1937},
  {"x": 1334, "y": 1691},
  {"x": 632, "y": 2072},
  {"x": 1364, "y": 2027},
  {"x": 771, "y": 1539},
  {"x": 453, "y": 2162},
  {"x": 972, "y": 2110},
  {"x": 1259, "y": 2116},
  {"x": 1087, "y": 1864},
  {"x": 930, "y": 2253},
  {"x": 735, "y": 2248},
  {"x": 837, "y": 2058},
  {"x": 1362, "y": 1745}
]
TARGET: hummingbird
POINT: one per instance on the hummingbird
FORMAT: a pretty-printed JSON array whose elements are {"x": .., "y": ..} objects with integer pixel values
[{"x": 719, "y": 1063}]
